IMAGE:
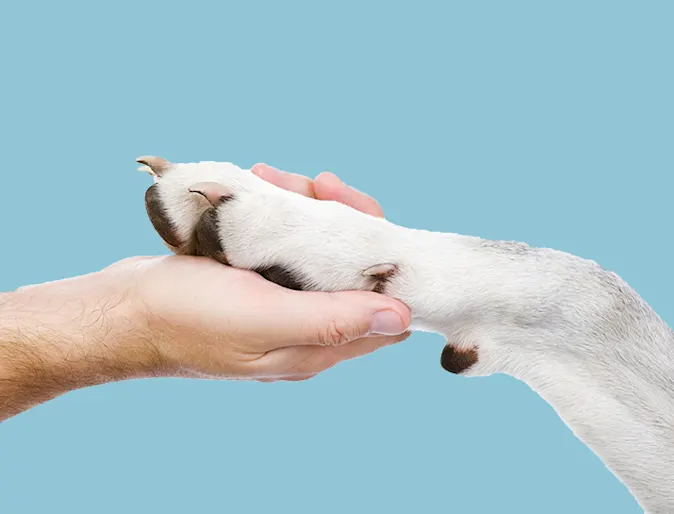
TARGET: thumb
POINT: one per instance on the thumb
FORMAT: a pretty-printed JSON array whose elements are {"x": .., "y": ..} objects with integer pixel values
[{"x": 333, "y": 319}]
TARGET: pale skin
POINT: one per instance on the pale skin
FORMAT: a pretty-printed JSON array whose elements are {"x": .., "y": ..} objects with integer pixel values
[{"x": 186, "y": 317}]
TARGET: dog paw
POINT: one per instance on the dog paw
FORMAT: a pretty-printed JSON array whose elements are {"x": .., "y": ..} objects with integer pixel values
[{"x": 221, "y": 211}]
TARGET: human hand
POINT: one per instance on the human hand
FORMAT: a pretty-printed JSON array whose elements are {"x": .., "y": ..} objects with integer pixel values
[
  {"x": 186, "y": 316},
  {"x": 281, "y": 334},
  {"x": 205, "y": 319}
]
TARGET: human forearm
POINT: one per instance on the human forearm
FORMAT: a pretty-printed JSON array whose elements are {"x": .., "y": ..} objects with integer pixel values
[
  {"x": 58, "y": 337},
  {"x": 30, "y": 372}
]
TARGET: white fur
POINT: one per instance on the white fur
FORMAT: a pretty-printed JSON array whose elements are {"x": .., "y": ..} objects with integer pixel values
[{"x": 575, "y": 333}]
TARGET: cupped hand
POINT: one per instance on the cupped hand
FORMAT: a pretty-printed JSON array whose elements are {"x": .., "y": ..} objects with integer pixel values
[
  {"x": 212, "y": 320},
  {"x": 202, "y": 319}
]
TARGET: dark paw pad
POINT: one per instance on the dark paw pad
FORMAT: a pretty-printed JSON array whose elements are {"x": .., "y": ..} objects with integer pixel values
[
  {"x": 457, "y": 361},
  {"x": 207, "y": 238},
  {"x": 159, "y": 217},
  {"x": 281, "y": 276}
]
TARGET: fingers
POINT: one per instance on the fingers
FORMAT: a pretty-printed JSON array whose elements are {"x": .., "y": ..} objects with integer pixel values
[
  {"x": 302, "y": 362},
  {"x": 290, "y": 181},
  {"x": 330, "y": 319},
  {"x": 326, "y": 186},
  {"x": 329, "y": 187}
]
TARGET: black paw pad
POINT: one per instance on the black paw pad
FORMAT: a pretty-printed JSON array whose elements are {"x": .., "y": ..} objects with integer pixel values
[
  {"x": 457, "y": 361},
  {"x": 281, "y": 276},
  {"x": 159, "y": 217},
  {"x": 207, "y": 237}
]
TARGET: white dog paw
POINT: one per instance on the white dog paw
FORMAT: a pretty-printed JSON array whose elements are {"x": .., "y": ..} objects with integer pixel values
[{"x": 220, "y": 211}]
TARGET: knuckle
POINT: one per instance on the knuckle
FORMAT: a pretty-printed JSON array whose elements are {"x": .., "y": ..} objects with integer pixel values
[{"x": 333, "y": 334}]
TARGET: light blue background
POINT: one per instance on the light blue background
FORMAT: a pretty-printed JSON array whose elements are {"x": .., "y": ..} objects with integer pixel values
[{"x": 544, "y": 122}]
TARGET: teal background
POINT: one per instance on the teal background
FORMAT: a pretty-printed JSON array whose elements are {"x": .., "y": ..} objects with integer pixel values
[{"x": 544, "y": 122}]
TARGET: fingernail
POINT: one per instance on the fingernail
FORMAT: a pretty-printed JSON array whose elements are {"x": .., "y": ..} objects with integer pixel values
[{"x": 387, "y": 323}]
